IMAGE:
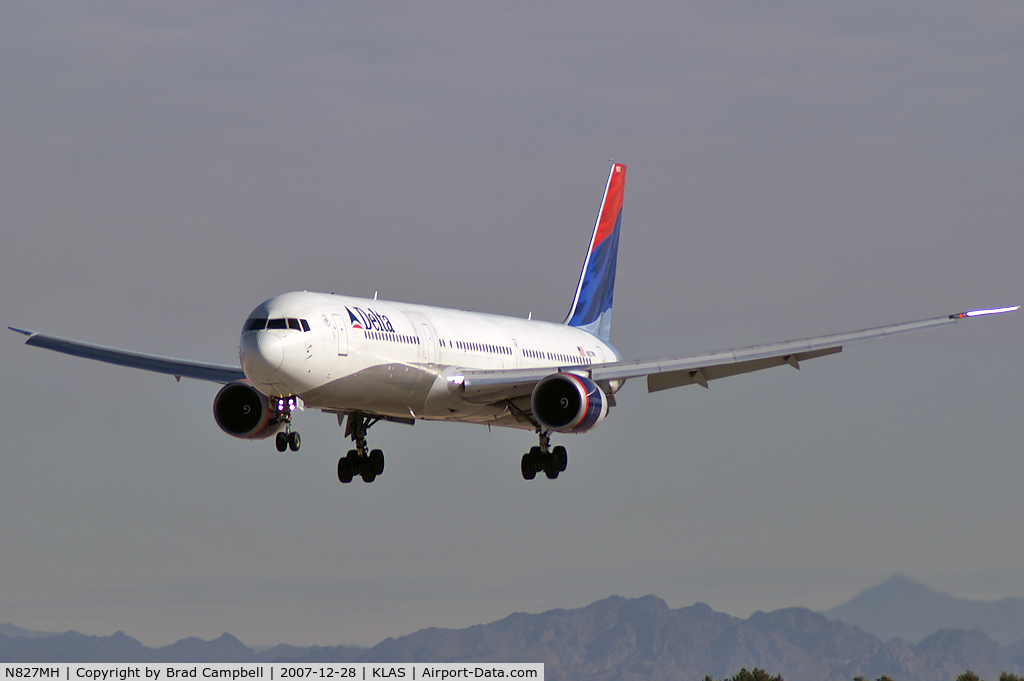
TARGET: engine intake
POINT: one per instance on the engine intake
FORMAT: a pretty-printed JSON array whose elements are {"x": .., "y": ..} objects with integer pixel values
[
  {"x": 244, "y": 412},
  {"x": 568, "y": 403}
]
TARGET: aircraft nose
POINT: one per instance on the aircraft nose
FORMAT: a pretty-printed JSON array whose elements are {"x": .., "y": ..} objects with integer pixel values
[{"x": 262, "y": 353}]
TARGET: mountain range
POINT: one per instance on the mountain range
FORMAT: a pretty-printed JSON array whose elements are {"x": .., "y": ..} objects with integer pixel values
[{"x": 615, "y": 638}]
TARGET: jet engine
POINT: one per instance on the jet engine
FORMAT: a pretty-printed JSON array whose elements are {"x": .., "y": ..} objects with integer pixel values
[
  {"x": 568, "y": 403},
  {"x": 244, "y": 412}
]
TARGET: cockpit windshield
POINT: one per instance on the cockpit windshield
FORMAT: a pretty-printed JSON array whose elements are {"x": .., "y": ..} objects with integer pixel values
[{"x": 260, "y": 323}]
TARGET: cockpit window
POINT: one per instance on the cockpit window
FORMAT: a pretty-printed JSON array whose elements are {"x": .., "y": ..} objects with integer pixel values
[{"x": 260, "y": 323}]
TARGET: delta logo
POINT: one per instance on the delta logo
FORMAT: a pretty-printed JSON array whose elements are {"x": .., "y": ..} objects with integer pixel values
[
  {"x": 356, "y": 324},
  {"x": 368, "y": 319}
]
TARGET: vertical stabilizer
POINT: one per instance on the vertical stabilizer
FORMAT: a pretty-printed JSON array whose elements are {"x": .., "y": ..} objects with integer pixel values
[{"x": 592, "y": 307}]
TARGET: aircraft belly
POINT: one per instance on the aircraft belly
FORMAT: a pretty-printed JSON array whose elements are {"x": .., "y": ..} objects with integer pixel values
[
  {"x": 405, "y": 390},
  {"x": 396, "y": 389},
  {"x": 498, "y": 415}
]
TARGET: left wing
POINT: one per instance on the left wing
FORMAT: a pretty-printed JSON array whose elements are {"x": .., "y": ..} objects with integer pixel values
[
  {"x": 216, "y": 373},
  {"x": 486, "y": 386}
]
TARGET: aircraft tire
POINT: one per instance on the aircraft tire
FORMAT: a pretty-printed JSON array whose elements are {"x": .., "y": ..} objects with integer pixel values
[
  {"x": 344, "y": 470},
  {"x": 377, "y": 461},
  {"x": 294, "y": 441},
  {"x": 561, "y": 457},
  {"x": 528, "y": 468},
  {"x": 353, "y": 461},
  {"x": 368, "y": 473},
  {"x": 551, "y": 468},
  {"x": 282, "y": 441}
]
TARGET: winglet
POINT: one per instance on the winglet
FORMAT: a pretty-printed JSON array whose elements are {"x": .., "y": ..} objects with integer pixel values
[
  {"x": 592, "y": 306},
  {"x": 979, "y": 313},
  {"x": 24, "y": 332}
]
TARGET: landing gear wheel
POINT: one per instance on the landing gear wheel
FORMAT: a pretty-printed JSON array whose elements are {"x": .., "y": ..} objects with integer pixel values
[
  {"x": 282, "y": 441},
  {"x": 533, "y": 462},
  {"x": 368, "y": 472},
  {"x": 377, "y": 461},
  {"x": 344, "y": 470},
  {"x": 294, "y": 441},
  {"x": 551, "y": 468},
  {"x": 561, "y": 457},
  {"x": 529, "y": 470}
]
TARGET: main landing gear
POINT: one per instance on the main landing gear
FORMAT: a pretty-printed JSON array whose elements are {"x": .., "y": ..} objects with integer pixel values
[
  {"x": 358, "y": 462},
  {"x": 552, "y": 462}
]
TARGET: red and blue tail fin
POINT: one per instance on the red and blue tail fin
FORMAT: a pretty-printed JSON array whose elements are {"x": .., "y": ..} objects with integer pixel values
[{"x": 592, "y": 307}]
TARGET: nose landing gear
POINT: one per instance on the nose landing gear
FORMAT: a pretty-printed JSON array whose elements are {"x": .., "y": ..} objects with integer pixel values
[
  {"x": 288, "y": 439},
  {"x": 552, "y": 462}
]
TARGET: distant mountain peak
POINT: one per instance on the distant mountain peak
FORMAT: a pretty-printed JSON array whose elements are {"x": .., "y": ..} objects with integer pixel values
[
  {"x": 902, "y": 585},
  {"x": 901, "y": 607},
  {"x": 902, "y": 590},
  {"x": 12, "y": 630}
]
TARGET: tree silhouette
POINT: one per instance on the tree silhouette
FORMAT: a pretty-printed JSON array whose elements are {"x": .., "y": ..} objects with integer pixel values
[{"x": 756, "y": 675}]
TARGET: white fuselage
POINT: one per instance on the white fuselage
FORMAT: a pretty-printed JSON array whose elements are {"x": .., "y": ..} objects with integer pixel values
[{"x": 395, "y": 359}]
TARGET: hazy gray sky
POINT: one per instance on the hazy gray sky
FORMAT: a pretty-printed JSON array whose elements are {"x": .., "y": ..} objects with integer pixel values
[{"x": 794, "y": 169}]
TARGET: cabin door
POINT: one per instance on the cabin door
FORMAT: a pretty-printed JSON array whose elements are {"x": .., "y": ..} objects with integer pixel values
[{"x": 341, "y": 333}]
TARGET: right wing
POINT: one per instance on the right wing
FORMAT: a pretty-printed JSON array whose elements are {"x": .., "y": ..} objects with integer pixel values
[
  {"x": 216, "y": 373},
  {"x": 487, "y": 386}
]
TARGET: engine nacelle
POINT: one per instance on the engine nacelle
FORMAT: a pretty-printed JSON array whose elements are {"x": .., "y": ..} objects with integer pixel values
[
  {"x": 568, "y": 403},
  {"x": 243, "y": 411}
]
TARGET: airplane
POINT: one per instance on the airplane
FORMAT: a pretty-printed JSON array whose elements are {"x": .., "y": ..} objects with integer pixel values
[{"x": 369, "y": 360}]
